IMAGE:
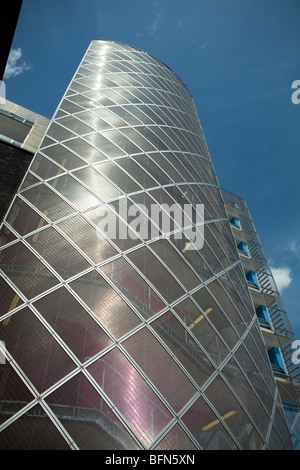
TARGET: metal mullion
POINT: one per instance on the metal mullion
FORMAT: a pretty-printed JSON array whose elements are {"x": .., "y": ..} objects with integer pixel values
[
  {"x": 153, "y": 288},
  {"x": 221, "y": 421},
  {"x": 168, "y": 428},
  {"x": 148, "y": 154},
  {"x": 196, "y": 340},
  {"x": 97, "y": 168},
  {"x": 74, "y": 244},
  {"x": 271, "y": 422},
  {"x": 59, "y": 426},
  {"x": 68, "y": 201},
  {"x": 114, "y": 409},
  {"x": 173, "y": 356},
  {"x": 94, "y": 226},
  {"x": 237, "y": 292},
  {"x": 104, "y": 328},
  {"x": 147, "y": 379},
  {"x": 49, "y": 221},
  {"x": 126, "y": 300},
  {"x": 271, "y": 376},
  {"x": 55, "y": 335},
  {"x": 14, "y": 232},
  {"x": 85, "y": 163},
  {"x": 18, "y": 414},
  {"x": 31, "y": 172},
  {"x": 43, "y": 261},
  {"x": 250, "y": 386},
  {"x": 223, "y": 312},
  {"x": 185, "y": 289}
]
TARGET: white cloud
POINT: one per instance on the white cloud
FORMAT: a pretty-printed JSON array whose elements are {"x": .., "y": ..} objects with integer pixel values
[
  {"x": 294, "y": 247},
  {"x": 14, "y": 67},
  {"x": 154, "y": 25},
  {"x": 282, "y": 277}
]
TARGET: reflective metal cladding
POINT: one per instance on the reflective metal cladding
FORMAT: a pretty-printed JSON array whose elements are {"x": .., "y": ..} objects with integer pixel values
[{"x": 128, "y": 341}]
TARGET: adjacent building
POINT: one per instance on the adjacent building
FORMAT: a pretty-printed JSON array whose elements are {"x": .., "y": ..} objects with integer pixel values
[{"x": 117, "y": 336}]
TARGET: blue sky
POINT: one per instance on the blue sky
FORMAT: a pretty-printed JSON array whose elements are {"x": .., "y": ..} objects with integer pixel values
[{"x": 238, "y": 58}]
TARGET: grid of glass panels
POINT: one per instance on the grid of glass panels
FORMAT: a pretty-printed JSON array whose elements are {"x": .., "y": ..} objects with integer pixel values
[{"x": 133, "y": 342}]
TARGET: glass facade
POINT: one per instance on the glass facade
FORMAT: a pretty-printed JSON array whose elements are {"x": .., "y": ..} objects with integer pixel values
[{"x": 128, "y": 342}]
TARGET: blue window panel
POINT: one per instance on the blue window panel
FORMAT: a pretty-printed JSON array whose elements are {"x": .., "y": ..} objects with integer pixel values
[
  {"x": 243, "y": 247},
  {"x": 262, "y": 312},
  {"x": 251, "y": 277},
  {"x": 275, "y": 358},
  {"x": 235, "y": 221}
]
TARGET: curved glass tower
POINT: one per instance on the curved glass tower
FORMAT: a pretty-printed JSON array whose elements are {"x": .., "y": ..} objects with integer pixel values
[{"x": 120, "y": 333}]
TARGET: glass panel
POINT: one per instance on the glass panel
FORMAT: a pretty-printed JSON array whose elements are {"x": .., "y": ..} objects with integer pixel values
[
  {"x": 176, "y": 439},
  {"x": 85, "y": 102},
  {"x": 92, "y": 120},
  {"x": 32, "y": 431},
  {"x": 200, "y": 328},
  {"x": 14, "y": 394},
  {"x": 74, "y": 192},
  {"x": 29, "y": 180},
  {"x": 25, "y": 270},
  {"x": 88, "y": 239},
  {"x": 106, "y": 146},
  {"x": 96, "y": 216},
  {"x": 95, "y": 427},
  {"x": 70, "y": 107},
  {"x": 162, "y": 161},
  {"x": 175, "y": 263},
  {"x": 127, "y": 145},
  {"x": 58, "y": 252},
  {"x": 35, "y": 350},
  {"x": 44, "y": 168},
  {"x": 133, "y": 286},
  {"x": 73, "y": 324},
  {"x": 85, "y": 150},
  {"x": 138, "y": 139},
  {"x": 47, "y": 202},
  {"x": 9, "y": 300},
  {"x": 232, "y": 413},
  {"x": 153, "y": 270},
  {"x": 59, "y": 133},
  {"x": 6, "y": 236},
  {"x": 64, "y": 157},
  {"x": 123, "y": 113},
  {"x": 117, "y": 176},
  {"x": 154, "y": 170},
  {"x": 183, "y": 346},
  {"x": 75, "y": 125},
  {"x": 234, "y": 296},
  {"x": 246, "y": 363},
  {"x": 131, "y": 395},
  {"x": 245, "y": 393},
  {"x": 137, "y": 172},
  {"x": 105, "y": 303},
  {"x": 206, "y": 427},
  {"x": 137, "y": 114},
  {"x": 160, "y": 368},
  {"x": 228, "y": 307},
  {"x": 96, "y": 183},
  {"x": 216, "y": 316},
  {"x": 108, "y": 118}
]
